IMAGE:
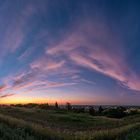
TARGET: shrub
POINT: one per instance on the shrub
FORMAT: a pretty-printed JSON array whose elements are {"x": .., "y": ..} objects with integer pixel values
[
  {"x": 68, "y": 106},
  {"x": 114, "y": 113},
  {"x": 91, "y": 111},
  {"x": 100, "y": 110},
  {"x": 78, "y": 110},
  {"x": 44, "y": 106},
  {"x": 56, "y": 105}
]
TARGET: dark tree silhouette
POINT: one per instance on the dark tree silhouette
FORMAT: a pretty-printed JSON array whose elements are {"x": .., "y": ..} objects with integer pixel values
[
  {"x": 100, "y": 110},
  {"x": 56, "y": 105},
  {"x": 68, "y": 106},
  {"x": 91, "y": 111},
  {"x": 44, "y": 106}
]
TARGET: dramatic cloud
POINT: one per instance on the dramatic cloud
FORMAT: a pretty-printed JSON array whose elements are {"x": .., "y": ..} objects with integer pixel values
[
  {"x": 31, "y": 81},
  {"x": 95, "y": 49},
  {"x": 113, "y": 70},
  {"x": 83, "y": 49}
]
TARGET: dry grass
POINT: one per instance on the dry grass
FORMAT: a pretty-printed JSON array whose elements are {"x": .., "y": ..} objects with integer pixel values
[{"x": 46, "y": 132}]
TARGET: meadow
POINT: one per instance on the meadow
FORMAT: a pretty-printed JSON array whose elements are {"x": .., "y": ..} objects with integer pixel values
[{"x": 21, "y": 123}]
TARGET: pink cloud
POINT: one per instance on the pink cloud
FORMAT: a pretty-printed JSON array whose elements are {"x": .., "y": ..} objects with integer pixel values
[
  {"x": 60, "y": 84},
  {"x": 40, "y": 85},
  {"x": 94, "y": 47},
  {"x": 109, "y": 68},
  {"x": 28, "y": 81},
  {"x": 58, "y": 69},
  {"x": 3, "y": 87},
  {"x": 105, "y": 68},
  {"x": 47, "y": 65},
  {"x": 6, "y": 95},
  {"x": 66, "y": 46}
]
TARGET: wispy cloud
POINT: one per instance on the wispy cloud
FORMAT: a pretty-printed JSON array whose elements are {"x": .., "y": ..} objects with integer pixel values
[
  {"x": 25, "y": 55},
  {"x": 7, "y": 95},
  {"x": 31, "y": 81},
  {"x": 93, "y": 47},
  {"x": 15, "y": 34},
  {"x": 3, "y": 87},
  {"x": 47, "y": 65}
]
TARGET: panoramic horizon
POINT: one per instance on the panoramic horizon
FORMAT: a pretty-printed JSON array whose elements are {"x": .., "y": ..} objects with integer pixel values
[{"x": 76, "y": 51}]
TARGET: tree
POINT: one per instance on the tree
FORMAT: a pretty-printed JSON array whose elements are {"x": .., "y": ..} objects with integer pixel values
[
  {"x": 100, "y": 110},
  {"x": 18, "y": 105},
  {"x": 91, "y": 111},
  {"x": 56, "y": 105},
  {"x": 68, "y": 106},
  {"x": 115, "y": 113},
  {"x": 44, "y": 106},
  {"x": 31, "y": 105}
]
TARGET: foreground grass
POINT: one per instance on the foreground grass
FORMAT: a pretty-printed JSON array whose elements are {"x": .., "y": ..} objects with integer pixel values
[
  {"x": 8, "y": 133},
  {"x": 38, "y": 131},
  {"x": 113, "y": 134},
  {"x": 133, "y": 135},
  {"x": 69, "y": 121},
  {"x": 29, "y": 124}
]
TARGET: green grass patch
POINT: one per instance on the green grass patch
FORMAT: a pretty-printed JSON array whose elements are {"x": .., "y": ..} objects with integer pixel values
[{"x": 66, "y": 125}]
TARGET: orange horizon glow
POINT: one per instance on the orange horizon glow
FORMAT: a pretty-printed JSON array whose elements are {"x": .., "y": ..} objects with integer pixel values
[
  {"x": 42, "y": 101},
  {"x": 59, "y": 101}
]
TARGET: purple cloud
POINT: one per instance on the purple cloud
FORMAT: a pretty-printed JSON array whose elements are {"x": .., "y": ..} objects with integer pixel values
[{"x": 93, "y": 47}]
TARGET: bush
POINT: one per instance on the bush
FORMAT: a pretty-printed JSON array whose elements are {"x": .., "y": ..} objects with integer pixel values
[
  {"x": 44, "y": 106},
  {"x": 91, "y": 111},
  {"x": 78, "y": 110},
  {"x": 68, "y": 106},
  {"x": 100, "y": 110},
  {"x": 31, "y": 105},
  {"x": 133, "y": 112},
  {"x": 114, "y": 113},
  {"x": 56, "y": 105}
]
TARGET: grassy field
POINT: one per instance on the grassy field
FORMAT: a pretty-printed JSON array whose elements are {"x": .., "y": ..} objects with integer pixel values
[{"x": 23, "y": 123}]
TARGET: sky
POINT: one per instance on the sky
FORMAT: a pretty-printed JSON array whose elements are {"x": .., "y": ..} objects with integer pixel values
[{"x": 77, "y": 51}]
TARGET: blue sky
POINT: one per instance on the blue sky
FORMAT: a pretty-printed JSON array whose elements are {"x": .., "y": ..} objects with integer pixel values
[{"x": 84, "y": 52}]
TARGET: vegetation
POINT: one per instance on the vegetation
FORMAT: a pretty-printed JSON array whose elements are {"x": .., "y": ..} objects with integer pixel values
[
  {"x": 44, "y": 122},
  {"x": 115, "y": 113},
  {"x": 91, "y": 111},
  {"x": 68, "y": 106}
]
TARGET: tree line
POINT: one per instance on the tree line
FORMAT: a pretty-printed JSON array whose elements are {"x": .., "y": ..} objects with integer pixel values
[{"x": 117, "y": 112}]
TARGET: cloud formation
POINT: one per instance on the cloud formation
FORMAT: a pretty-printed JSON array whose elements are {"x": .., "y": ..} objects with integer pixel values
[
  {"x": 47, "y": 66},
  {"x": 14, "y": 34},
  {"x": 2, "y": 87},
  {"x": 79, "y": 47},
  {"x": 95, "y": 49},
  {"x": 7, "y": 95}
]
